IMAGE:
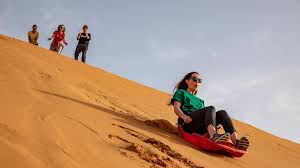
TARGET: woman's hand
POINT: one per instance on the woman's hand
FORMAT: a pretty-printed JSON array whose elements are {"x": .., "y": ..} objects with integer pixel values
[{"x": 187, "y": 119}]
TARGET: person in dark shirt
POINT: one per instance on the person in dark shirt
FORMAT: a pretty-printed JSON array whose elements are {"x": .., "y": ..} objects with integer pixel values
[{"x": 83, "y": 38}]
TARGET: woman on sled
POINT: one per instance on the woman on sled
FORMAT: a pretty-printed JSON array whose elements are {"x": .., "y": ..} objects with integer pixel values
[{"x": 195, "y": 117}]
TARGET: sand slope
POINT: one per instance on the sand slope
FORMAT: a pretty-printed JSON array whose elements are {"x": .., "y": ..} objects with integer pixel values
[{"x": 56, "y": 112}]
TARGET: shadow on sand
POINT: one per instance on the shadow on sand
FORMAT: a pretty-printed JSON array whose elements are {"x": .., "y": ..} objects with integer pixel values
[{"x": 136, "y": 122}]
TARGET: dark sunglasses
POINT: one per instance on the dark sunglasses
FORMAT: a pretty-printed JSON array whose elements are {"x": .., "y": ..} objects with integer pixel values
[{"x": 195, "y": 79}]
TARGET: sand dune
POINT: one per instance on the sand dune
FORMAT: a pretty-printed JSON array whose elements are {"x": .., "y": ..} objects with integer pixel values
[{"x": 56, "y": 112}]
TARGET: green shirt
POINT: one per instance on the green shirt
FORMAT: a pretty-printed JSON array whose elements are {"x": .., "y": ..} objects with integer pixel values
[{"x": 189, "y": 102}]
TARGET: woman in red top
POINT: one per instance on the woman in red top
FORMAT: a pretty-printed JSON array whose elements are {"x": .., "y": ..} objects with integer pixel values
[{"x": 58, "y": 39}]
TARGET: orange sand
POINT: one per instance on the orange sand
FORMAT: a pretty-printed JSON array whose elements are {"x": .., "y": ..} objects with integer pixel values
[{"x": 56, "y": 112}]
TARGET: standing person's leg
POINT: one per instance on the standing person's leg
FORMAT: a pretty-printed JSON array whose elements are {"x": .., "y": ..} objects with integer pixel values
[
  {"x": 60, "y": 48},
  {"x": 53, "y": 46},
  {"x": 77, "y": 51},
  {"x": 84, "y": 51}
]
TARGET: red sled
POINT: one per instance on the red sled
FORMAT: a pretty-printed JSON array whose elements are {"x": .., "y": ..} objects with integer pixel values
[{"x": 203, "y": 142}]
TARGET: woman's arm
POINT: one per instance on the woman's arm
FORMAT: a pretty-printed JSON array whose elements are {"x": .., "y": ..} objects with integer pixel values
[
  {"x": 78, "y": 37},
  {"x": 187, "y": 119},
  {"x": 37, "y": 37},
  {"x": 29, "y": 39},
  {"x": 89, "y": 36},
  {"x": 64, "y": 40},
  {"x": 52, "y": 36}
]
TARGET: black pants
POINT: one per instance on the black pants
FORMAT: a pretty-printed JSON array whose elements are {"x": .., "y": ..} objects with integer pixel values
[
  {"x": 203, "y": 117},
  {"x": 81, "y": 48}
]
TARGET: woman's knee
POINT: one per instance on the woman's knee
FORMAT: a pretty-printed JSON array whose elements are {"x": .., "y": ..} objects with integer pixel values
[
  {"x": 222, "y": 114},
  {"x": 210, "y": 112},
  {"x": 211, "y": 109}
]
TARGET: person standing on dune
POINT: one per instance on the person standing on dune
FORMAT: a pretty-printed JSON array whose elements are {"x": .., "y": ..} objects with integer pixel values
[
  {"x": 83, "y": 38},
  {"x": 33, "y": 35},
  {"x": 58, "y": 37},
  {"x": 195, "y": 117}
]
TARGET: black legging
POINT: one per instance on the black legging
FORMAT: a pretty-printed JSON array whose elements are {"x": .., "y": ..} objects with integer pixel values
[
  {"x": 81, "y": 48},
  {"x": 203, "y": 117}
]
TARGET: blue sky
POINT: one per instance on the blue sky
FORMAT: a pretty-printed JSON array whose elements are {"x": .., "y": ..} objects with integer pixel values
[{"x": 247, "y": 52}]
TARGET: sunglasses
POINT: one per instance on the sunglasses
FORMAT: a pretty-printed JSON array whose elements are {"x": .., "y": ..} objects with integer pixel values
[{"x": 195, "y": 79}]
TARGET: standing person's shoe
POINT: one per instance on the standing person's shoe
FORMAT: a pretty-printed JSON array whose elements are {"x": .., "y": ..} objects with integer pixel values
[
  {"x": 242, "y": 143},
  {"x": 220, "y": 138}
]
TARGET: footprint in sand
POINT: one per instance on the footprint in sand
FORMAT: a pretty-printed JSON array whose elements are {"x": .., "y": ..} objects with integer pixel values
[
  {"x": 6, "y": 132},
  {"x": 162, "y": 124},
  {"x": 45, "y": 75},
  {"x": 158, "y": 153},
  {"x": 141, "y": 151}
]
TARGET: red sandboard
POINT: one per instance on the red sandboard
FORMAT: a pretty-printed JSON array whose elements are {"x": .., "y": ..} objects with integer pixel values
[{"x": 203, "y": 142}]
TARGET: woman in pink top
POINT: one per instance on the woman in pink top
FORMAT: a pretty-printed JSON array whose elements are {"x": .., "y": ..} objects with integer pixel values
[{"x": 58, "y": 39}]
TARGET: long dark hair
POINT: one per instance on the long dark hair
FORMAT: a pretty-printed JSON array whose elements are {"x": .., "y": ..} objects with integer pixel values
[
  {"x": 182, "y": 84},
  {"x": 61, "y": 25}
]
